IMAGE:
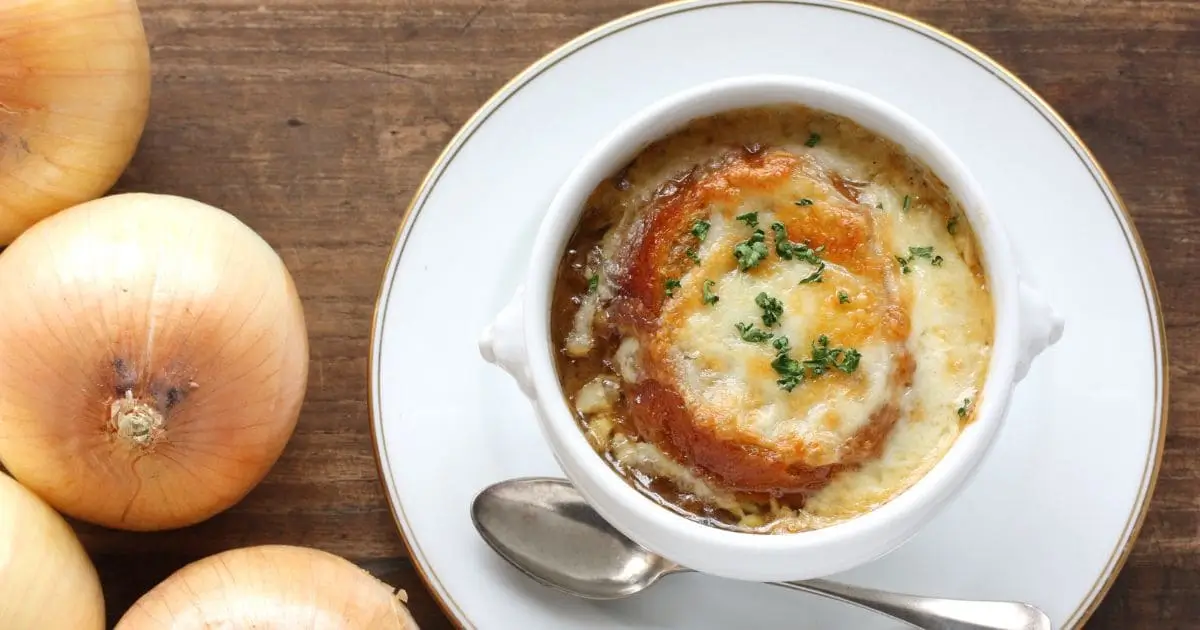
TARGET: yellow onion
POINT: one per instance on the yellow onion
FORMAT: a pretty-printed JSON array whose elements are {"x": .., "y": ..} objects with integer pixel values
[
  {"x": 153, "y": 360},
  {"x": 46, "y": 578},
  {"x": 74, "y": 94},
  {"x": 270, "y": 587}
]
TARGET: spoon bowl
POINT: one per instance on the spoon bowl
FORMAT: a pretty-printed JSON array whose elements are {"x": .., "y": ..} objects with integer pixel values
[{"x": 545, "y": 528}]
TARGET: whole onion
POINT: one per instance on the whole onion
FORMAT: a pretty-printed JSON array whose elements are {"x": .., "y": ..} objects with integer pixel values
[
  {"x": 153, "y": 360},
  {"x": 270, "y": 587},
  {"x": 74, "y": 96},
  {"x": 46, "y": 578}
]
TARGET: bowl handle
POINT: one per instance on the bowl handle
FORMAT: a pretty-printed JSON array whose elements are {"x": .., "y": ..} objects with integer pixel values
[
  {"x": 502, "y": 343},
  {"x": 1040, "y": 325}
]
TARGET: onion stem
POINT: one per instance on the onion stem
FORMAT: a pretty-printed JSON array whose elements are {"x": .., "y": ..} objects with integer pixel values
[{"x": 135, "y": 420}]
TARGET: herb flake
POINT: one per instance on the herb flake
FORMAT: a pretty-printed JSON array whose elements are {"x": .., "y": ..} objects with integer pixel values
[
  {"x": 964, "y": 408},
  {"x": 788, "y": 250},
  {"x": 750, "y": 334},
  {"x": 692, "y": 254},
  {"x": 843, "y": 297},
  {"x": 907, "y": 202},
  {"x": 783, "y": 247},
  {"x": 750, "y": 219},
  {"x": 790, "y": 371},
  {"x": 914, "y": 253},
  {"x": 672, "y": 284},
  {"x": 804, "y": 202},
  {"x": 822, "y": 359},
  {"x": 709, "y": 297},
  {"x": 952, "y": 225},
  {"x": 771, "y": 307},
  {"x": 751, "y": 251},
  {"x": 813, "y": 140},
  {"x": 921, "y": 252},
  {"x": 700, "y": 229},
  {"x": 593, "y": 282}
]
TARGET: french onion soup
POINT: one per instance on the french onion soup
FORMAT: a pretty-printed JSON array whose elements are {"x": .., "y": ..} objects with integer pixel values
[{"x": 772, "y": 320}]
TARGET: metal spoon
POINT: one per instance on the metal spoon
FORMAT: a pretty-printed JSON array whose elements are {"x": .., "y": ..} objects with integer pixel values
[{"x": 544, "y": 527}]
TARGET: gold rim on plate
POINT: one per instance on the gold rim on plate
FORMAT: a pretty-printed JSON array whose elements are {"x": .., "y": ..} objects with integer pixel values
[{"x": 1136, "y": 518}]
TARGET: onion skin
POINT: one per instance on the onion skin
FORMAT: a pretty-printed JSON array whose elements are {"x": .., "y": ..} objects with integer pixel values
[
  {"x": 74, "y": 97},
  {"x": 269, "y": 587},
  {"x": 46, "y": 578},
  {"x": 153, "y": 360}
]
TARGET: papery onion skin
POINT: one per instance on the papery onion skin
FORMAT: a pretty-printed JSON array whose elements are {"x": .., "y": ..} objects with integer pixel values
[
  {"x": 46, "y": 578},
  {"x": 153, "y": 360},
  {"x": 270, "y": 587},
  {"x": 74, "y": 97}
]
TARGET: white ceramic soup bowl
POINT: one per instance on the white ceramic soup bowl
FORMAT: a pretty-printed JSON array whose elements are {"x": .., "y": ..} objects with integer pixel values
[{"x": 519, "y": 342}]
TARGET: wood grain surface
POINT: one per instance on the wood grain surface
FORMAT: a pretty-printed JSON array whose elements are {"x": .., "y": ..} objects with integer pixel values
[{"x": 315, "y": 120}]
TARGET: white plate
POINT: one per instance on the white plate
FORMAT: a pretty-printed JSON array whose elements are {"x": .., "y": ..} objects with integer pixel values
[{"x": 1051, "y": 515}]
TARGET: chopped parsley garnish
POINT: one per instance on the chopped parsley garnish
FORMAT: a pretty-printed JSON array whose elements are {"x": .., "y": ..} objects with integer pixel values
[
  {"x": 907, "y": 202},
  {"x": 790, "y": 371},
  {"x": 771, "y": 307},
  {"x": 964, "y": 408},
  {"x": 952, "y": 224},
  {"x": 815, "y": 276},
  {"x": 751, "y": 251},
  {"x": 788, "y": 250},
  {"x": 921, "y": 252},
  {"x": 918, "y": 252},
  {"x": 813, "y": 140},
  {"x": 672, "y": 284},
  {"x": 593, "y": 282},
  {"x": 823, "y": 359},
  {"x": 700, "y": 229},
  {"x": 750, "y": 219},
  {"x": 709, "y": 296},
  {"x": 879, "y": 206},
  {"x": 783, "y": 246},
  {"x": 691, "y": 253},
  {"x": 843, "y": 297},
  {"x": 849, "y": 362},
  {"x": 804, "y": 202},
  {"x": 844, "y": 359},
  {"x": 751, "y": 334}
]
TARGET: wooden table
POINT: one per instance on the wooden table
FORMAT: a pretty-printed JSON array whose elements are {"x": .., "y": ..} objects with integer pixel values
[{"x": 315, "y": 120}]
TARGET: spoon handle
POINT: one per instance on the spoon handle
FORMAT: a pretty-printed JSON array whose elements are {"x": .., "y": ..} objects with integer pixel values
[{"x": 931, "y": 613}]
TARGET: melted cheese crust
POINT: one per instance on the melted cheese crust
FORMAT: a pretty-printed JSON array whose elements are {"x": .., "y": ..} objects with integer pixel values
[{"x": 676, "y": 397}]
